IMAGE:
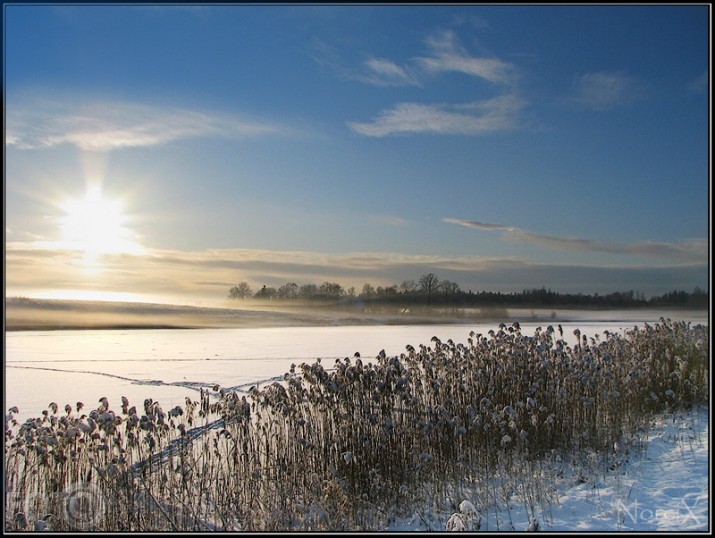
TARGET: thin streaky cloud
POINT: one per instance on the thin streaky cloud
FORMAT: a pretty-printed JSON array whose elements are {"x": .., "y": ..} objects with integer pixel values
[
  {"x": 447, "y": 54},
  {"x": 480, "y": 117},
  {"x": 374, "y": 71},
  {"x": 324, "y": 54},
  {"x": 479, "y": 225},
  {"x": 700, "y": 84},
  {"x": 384, "y": 72},
  {"x": 106, "y": 126},
  {"x": 692, "y": 250},
  {"x": 390, "y": 220},
  {"x": 474, "y": 21},
  {"x": 603, "y": 90}
]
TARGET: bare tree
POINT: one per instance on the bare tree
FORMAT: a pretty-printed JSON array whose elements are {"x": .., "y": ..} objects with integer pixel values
[
  {"x": 242, "y": 291},
  {"x": 408, "y": 286},
  {"x": 331, "y": 290},
  {"x": 387, "y": 290},
  {"x": 288, "y": 291},
  {"x": 308, "y": 291},
  {"x": 367, "y": 290},
  {"x": 265, "y": 293},
  {"x": 450, "y": 290},
  {"x": 429, "y": 284}
]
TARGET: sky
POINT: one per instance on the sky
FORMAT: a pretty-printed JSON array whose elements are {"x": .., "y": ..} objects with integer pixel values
[{"x": 168, "y": 153}]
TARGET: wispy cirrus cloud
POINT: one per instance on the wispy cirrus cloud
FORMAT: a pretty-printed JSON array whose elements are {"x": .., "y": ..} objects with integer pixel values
[
  {"x": 603, "y": 90},
  {"x": 389, "y": 220},
  {"x": 111, "y": 125},
  {"x": 444, "y": 54},
  {"x": 447, "y": 54},
  {"x": 374, "y": 71},
  {"x": 476, "y": 118},
  {"x": 700, "y": 84},
  {"x": 693, "y": 250},
  {"x": 383, "y": 72},
  {"x": 480, "y": 225}
]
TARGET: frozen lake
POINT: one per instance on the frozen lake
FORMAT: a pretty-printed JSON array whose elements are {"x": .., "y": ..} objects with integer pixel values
[{"x": 170, "y": 364}]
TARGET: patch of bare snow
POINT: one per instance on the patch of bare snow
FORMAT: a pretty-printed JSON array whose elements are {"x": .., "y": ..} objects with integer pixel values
[
  {"x": 663, "y": 486},
  {"x": 666, "y": 488}
]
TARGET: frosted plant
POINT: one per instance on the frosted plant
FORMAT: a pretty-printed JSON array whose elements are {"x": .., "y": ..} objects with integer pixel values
[
  {"x": 455, "y": 523},
  {"x": 472, "y": 517},
  {"x": 41, "y": 525},
  {"x": 20, "y": 521}
]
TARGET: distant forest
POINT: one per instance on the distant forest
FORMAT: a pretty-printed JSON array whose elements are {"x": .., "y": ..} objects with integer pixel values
[{"x": 429, "y": 290}]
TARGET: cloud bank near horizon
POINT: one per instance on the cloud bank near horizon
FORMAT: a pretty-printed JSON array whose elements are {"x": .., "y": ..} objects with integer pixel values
[{"x": 210, "y": 273}]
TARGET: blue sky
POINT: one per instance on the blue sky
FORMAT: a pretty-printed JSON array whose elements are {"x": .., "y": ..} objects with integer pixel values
[{"x": 501, "y": 147}]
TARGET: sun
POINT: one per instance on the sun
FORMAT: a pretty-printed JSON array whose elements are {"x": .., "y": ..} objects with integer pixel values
[{"x": 96, "y": 226}]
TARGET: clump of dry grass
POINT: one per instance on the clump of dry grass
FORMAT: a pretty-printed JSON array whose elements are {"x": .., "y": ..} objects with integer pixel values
[{"x": 349, "y": 447}]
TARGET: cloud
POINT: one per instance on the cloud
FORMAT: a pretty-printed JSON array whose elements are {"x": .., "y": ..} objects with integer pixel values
[
  {"x": 479, "y": 225},
  {"x": 390, "y": 220},
  {"x": 603, "y": 90},
  {"x": 208, "y": 274},
  {"x": 694, "y": 250},
  {"x": 446, "y": 54},
  {"x": 324, "y": 54},
  {"x": 449, "y": 55},
  {"x": 476, "y": 118},
  {"x": 111, "y": 125},
  {"x": 383, "y": 72},
  {"x": 374, "y": 71},
  {"x": 700, "y": 84},
  {"x": 474, "y": 21}
]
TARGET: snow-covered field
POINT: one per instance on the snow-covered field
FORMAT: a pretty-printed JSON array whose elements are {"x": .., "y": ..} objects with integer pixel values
[
  {"x": 170, "y": 364},
  {"x": 661, "y": 485}
]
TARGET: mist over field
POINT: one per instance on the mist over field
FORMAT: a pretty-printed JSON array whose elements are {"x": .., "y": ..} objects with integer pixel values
[
  {"x": 53, "y": 314},
  {"x": 50, "y": 314},
  {"x": 32, "y": 314}
]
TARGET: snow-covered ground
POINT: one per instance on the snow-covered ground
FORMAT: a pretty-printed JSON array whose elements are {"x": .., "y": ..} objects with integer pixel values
[{"x": 664, "y": 486}]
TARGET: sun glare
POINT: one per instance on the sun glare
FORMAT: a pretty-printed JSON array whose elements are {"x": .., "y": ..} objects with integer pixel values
[{"x": 96, "y": 226}]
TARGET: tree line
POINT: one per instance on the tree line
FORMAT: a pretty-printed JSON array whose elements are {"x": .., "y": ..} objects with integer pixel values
[{"x": 429, "y": 290}]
